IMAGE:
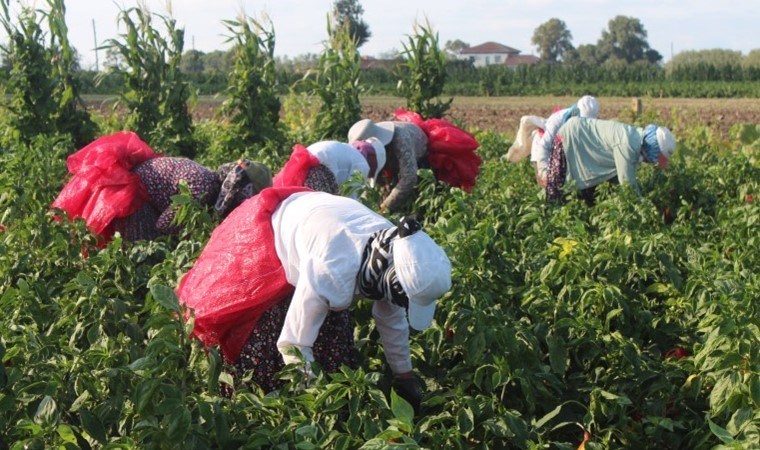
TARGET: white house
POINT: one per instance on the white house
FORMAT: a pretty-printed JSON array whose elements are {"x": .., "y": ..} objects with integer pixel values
[{"x": 494, "y": 53}]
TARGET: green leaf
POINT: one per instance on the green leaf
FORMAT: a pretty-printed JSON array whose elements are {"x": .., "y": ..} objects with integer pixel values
[
  {"x": 79, "y": 402},
  {"x": 306, "y": 446},
  {"x": 179, "y": 424},
  {"x": 720, "y": 433},
  {"x": 165, "y": 296},
  {"x": 754, "y": 389},
  {"x": 549, "y": 416},
  {"x": 465, "y": 421},
  {"x": 85, "y": 280},
  {"x": 93, "y": 426},
  {"x": 307, "y": 431},
  {"x": 46, "y": 411},
  {"x": 739, "y": 420},
  {"x": 141, "y": 363},
  {"x": 227, "y": 378},
  {"x": 619, "y": 399},
  {"x": 144, "y": 394},
  {"x": 401, "y": 408},
  {"x": 67, "y": 434},
  {"x": 558, "y": 358},
  {"x": 657, "y": 288},
  {"x": 722, "y": 391}
]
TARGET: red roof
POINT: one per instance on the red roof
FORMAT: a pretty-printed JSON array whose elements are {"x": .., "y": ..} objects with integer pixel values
[
  {"x": 489, "y": 47},
  {"x": 517, "y": 60}
]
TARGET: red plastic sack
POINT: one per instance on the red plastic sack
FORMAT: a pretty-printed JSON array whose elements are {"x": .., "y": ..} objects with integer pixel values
[
  {"x": 296, "y": 169},
  {"x": 103, "y": 188},
  {"x": 451, "y": 150},
  {"x": 238, "y": 276}
]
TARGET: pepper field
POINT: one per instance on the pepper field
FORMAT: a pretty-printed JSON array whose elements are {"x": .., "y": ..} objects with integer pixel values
[{"x": 633, "y": 323}]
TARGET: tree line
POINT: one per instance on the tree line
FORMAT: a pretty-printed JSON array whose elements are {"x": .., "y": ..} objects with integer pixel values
[
  {"x": 719, "y": 73},
  {"x": 621, "y": 57},
  {"x": 621, "y": 62}
]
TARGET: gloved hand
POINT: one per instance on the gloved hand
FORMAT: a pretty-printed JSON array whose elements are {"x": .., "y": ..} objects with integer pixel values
[{"x": 408, "y": 387}]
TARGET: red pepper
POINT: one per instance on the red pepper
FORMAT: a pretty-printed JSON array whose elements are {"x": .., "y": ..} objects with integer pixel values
[
  {"x": 676, "y": 352},
  {"x": 586, "y": 437}
]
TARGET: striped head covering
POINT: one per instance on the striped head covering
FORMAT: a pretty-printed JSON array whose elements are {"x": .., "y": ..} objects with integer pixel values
[
  {"x": 240, "y": 180},
  {"x": 378, "y": 279}
]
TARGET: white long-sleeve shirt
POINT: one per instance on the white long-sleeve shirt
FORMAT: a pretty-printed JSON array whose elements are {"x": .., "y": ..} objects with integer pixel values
[
  {"x": 319, "y": 239},
  {"x": 342, "y": 159},
  {"x": 540, "y": 153}
]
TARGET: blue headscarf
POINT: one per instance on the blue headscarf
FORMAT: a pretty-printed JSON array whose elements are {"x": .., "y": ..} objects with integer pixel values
[
  {"x": 650, "y": 147},
  {"x": 571, "y": 111}
]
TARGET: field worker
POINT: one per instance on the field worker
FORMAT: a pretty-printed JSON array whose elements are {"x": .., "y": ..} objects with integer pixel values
[
  {"x": 120, "y": 184},
  {"x": 344, "y": 160},
  {"x": 278, "y": 275},
  {"x": 586, "y": 106},
  {"x": 309, "y": 166},
  {"x": 412, "y": 143},
  {"x": 589, "y": 152}
]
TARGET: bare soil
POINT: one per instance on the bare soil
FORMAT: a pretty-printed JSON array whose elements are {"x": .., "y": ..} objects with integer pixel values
[{"x": 503, "y": 114}]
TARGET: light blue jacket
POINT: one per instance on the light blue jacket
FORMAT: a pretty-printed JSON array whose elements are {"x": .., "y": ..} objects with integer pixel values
[{"x": 598, "y": 150}]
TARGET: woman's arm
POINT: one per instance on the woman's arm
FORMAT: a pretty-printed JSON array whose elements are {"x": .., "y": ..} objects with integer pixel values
[
  {"x": 394, "y": 335},
  {"x": 306, "y": 314}
]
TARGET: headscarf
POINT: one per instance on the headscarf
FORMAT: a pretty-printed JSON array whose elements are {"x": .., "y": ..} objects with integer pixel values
[
  {"x": 369, "y": 153},
  {"x": 572, "y": 111},
  {"x": 650, "y": 148},
  {"x": 378, "y": 279},
  {"x": 240, "y": 180}
]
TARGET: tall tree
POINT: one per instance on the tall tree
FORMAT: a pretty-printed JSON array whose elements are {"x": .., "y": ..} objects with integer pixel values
[
  {"x": 752, "y": 59},
  {"x": 552, "y": 39},
  {"x": 453, "y": 48},
  {"x": 192, "y": 62},
  {"x": 626, "y": 39},
  {"x": 349, "y": 13},
  {"x": 585, "y": 54},
  {"x": 716, "y": 57}
]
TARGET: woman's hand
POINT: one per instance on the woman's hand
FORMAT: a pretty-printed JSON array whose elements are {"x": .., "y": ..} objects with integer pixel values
[{"x": 408, "y": 387}]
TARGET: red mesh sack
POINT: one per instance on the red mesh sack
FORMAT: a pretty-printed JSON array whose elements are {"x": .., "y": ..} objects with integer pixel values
[
  {"x": 238, "y": 276},
  {"x": 296, "y": 169},
  {"x": 451, "y": 150},
  {"x": 102, "y": 187}
]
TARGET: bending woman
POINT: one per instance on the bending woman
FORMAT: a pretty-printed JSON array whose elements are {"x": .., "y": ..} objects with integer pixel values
[
  {"x": 120, "y": 184},
  {"x": 280, "y": 273}
]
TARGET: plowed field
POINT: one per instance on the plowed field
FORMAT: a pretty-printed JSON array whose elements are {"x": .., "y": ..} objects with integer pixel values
[{"x": 503, "y": 113}]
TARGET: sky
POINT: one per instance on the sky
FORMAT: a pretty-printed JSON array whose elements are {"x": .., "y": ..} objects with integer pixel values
[{"x": 300, "y": 25}]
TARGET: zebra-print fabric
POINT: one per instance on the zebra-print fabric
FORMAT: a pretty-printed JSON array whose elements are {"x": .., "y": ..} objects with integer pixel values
[
  {"x": 377, "y": 276},
  {"x": 236, "y": 186}
]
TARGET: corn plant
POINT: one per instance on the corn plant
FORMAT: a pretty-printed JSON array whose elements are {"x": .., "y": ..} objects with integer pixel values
[
  {"x": 71, "y": 116},
  {"x": 157, "y": 92},
  {"x": 335, "y": 82},
  {"x": 252, "y": 104},
  {"x": 29, "y": 92},
  {"x": 42, "y": 92},
  {"x": 422, "y": 75}
]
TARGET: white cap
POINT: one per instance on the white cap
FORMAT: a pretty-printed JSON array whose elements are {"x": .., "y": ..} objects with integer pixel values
[
  {"x": 424, "y": 271},
  {"x": 365, "y": 129},
  {"x": 666, "y": 141},
  {"x": 588, "y": 107}
]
